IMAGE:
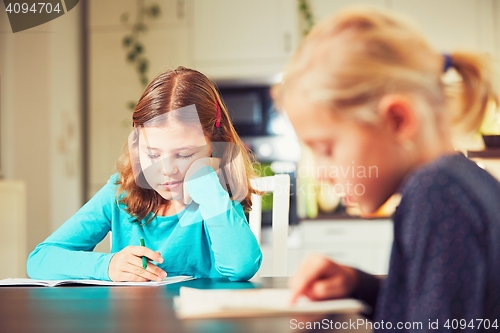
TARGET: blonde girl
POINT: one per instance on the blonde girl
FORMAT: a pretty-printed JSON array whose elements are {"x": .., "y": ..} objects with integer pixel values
[{"x": 366, "y": 89}]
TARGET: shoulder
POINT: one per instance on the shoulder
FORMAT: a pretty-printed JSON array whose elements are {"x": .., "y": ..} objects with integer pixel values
[
  {"x": 103, "y": 205},
  {"x": 111, "y": 186},
  {"x": 451, "y": 176},
  {"x": 114, "y": 178},
  {"x": 452, "y": 190}
]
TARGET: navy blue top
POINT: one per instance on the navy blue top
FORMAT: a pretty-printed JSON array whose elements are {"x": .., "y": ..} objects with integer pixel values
[{"x": 445, "y": 259}]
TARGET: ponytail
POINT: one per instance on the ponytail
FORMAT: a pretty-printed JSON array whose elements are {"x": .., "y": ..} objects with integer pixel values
[
  {"x": 477, "y": 88},
  {"x": 362, "y": 53}
]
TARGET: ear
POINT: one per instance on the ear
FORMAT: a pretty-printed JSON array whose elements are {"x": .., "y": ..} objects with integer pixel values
[
  {"x": 209, "y": 146},
  {"x": 399, "y": 116}
]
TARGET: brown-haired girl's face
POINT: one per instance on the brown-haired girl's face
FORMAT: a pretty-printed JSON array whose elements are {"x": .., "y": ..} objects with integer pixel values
[
  {"x": 166, "y": 152},
  {"x": 357, "y": 158}
]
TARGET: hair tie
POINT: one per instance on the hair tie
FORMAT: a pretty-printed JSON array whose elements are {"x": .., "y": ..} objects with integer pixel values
[
  {"x": 217, "y": 117},
  {"x": 448, "y": 62}
]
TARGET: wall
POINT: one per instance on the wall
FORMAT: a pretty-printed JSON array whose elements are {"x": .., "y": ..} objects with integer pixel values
[{"x": 40, "y": 119}]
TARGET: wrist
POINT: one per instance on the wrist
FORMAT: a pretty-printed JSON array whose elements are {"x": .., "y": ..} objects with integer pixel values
[{"x": 352, "y": 279}]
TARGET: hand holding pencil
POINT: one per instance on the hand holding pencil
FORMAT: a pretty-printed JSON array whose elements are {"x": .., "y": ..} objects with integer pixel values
[
  {"x": 144, "y": 260},
  {"x": 131, "y": 264}
]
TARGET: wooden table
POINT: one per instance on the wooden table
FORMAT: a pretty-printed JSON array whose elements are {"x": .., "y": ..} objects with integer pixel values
[{"x": 134, "y": 309}]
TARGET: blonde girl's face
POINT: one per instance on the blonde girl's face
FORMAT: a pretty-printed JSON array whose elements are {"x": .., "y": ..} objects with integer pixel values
[
  {"x": 166, "y": 153},
  {"x": 357, "y": 158}
]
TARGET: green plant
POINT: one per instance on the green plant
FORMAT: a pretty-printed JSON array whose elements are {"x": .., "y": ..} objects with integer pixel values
[
  {"x": 132, "y": 41},
  {"x": 305, "y": 11}
]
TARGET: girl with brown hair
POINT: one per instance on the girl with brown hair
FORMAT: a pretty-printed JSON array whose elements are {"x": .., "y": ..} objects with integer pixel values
[
  {"x": 182, "y": 186},
  {"x": 365, "y": 89}
]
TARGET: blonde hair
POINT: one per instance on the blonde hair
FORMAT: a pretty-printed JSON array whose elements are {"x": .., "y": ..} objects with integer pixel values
[
  {"x": 360, "y": 54},
  {"x": 175, "y": 90}
]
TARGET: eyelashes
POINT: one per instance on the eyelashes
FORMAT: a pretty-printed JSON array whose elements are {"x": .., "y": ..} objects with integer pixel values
[
  {"x": 184, "y": 157},
  {"x": 178, "y": 156}
]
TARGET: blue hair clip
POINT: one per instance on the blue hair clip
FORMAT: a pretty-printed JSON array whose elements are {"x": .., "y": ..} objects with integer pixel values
[{"x": 448, "y": 62}]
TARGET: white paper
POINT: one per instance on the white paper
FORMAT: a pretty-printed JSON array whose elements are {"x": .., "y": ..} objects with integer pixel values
[
  {"x": 199, "y": 303},
  {"x": 55, "y": 283}
]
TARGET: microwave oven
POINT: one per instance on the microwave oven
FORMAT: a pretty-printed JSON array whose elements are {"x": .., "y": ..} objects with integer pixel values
[
  {"x": 266, "y": 131},
  {"x": 250, "y": 107},
  {"x": 260, "y": 125}
]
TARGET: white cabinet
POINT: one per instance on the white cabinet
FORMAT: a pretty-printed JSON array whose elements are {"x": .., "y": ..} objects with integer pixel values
[
  {"x": 496, "y": 26},
  {"x": 113, "y": 82},
  {"x": 447, "y": 24},
  {"x": 325, "y": 8},
  {"x": 13, "y": 236},
  {"x": 243, "y": 38},
  {"x": 364, "y": 244},
  {"x": 451, "y": 24},
  {"x": 108, "y": 14}
]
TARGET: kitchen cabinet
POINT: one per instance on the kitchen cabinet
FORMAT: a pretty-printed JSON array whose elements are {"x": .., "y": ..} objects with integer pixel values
[
  {"x": 243, "y": 38},
  {"x": 107, "y": 15},
  {"x": 325, "y": 8},
  {"x": 364, "y": 244},
  {"x": 360, "y": 243},
  {"x": 13, "y": 234},
  {"x": 496, "y": 26},
  {"x": 451, "y": 25},
  {"x": 113, "y": 82},
  {"x": 447, "y": 24}
]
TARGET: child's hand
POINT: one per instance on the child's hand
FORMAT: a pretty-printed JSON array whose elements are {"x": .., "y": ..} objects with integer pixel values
[
  {"x": 320, "y": 278},
  {"x": 195, "y": 166},
  {"x": 126, "y": 265}
]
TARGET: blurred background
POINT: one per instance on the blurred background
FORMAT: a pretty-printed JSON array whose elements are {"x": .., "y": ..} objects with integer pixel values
[{"x": 68, "y": 87}]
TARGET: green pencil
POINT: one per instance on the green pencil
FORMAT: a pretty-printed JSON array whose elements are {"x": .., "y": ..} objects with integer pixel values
[{"x": 144, "y": 261}]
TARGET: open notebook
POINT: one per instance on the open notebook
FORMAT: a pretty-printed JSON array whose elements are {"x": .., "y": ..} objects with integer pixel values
[
  {"x": 55, "y": 283},
  {"x": 202, "y": 303}
]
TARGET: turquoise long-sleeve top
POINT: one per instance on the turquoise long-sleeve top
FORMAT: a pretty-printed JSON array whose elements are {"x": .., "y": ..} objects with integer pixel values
[{"x": 209, "y": 238}]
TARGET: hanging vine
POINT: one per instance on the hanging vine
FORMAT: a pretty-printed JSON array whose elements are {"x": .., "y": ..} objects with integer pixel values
[
  {"x": 305, "y": 11},
  {"x": 132, "y": 41}
]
